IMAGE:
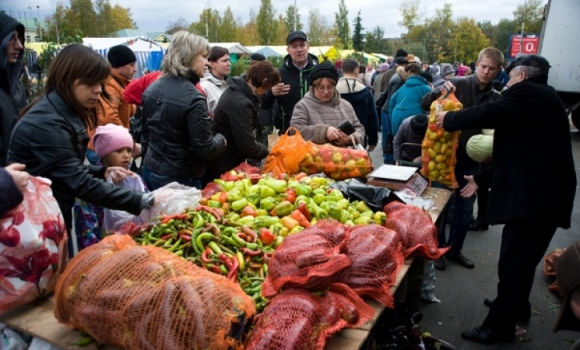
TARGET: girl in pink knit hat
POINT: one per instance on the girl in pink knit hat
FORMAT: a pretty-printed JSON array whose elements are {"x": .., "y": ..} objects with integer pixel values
[{"x": 113, "y": 144}]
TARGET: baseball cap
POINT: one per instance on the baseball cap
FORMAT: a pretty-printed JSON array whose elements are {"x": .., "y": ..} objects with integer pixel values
[{"x": 298, "y": 34}]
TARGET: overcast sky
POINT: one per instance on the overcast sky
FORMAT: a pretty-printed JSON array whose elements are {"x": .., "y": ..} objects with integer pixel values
[{"x": 153, "y": 15}]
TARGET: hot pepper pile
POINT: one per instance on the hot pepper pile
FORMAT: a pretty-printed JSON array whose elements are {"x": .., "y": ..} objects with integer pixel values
[{"x": 242, "y": 218}]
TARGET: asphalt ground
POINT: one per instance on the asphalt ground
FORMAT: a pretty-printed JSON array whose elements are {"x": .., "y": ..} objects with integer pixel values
[{"x": 462, "y": 291}]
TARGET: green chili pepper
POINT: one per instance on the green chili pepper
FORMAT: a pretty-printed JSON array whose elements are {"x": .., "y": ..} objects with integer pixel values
[
  {"x": 200, "y": 238},
  {"x": 214, "y": 247}
]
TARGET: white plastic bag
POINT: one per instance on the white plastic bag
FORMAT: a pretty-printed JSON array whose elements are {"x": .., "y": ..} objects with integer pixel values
[
  {"x": 174, "y": 198},
  {"x": 114, "y": 219}
]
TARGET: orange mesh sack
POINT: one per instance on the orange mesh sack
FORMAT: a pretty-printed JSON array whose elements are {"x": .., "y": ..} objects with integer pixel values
[
  {"x": 298, "y": 319},
  {"x": 287, "y": 153},
  {"x": 336, "y": 162},
  {"x": 416, "y": 229},
  {"x": 310, "y": 259},
  {"x": 143, "y": 297},
  {"x": 376, "y": 255},
  {"x": 439, "y": 146}
]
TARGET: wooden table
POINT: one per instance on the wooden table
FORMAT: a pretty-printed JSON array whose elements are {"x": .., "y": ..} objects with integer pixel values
[{"x": 38, "y": 319}]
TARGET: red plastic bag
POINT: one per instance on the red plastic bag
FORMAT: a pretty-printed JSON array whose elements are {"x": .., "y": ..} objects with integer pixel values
[{"x": 30, "y": 237}]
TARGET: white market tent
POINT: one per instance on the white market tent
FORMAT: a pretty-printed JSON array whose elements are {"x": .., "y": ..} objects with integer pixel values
[
  {"x": 233, "y": 47},
  {"x": 148, "y": 52},
  {"x": 264, "y": 50}
]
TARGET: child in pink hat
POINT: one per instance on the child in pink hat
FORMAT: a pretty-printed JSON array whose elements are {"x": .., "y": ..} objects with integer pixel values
[{"x": 113, "y": 144}]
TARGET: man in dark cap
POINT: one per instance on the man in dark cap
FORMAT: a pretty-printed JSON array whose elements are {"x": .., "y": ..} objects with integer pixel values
[
  {"x": 531, "y": 199},
  {"x": 115, "y": 109},
  {"x": 568, "y": 279},
  {"x": 411, "y": 132},
  {"x": 12, "y": 94},
  {"x": 256, "y": 57},
  {"x": 294, "y": 72}
]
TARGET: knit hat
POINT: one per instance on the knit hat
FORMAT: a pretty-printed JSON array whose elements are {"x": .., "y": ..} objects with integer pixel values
[
  {"x": 568, "y": 277},
  {"x": 110, "y": 138},
  {"x": 427, "y": 76},
  {"x": 401, "y": 53},
  {"x": 256, "y": 56},
  {"x": 384, "y": 67},
  {"x": 120, "y": 55},
  {"x": 419, "y": 124},
  {"x": 323, "y": 70},
  {"x": 446, "y": 70}
]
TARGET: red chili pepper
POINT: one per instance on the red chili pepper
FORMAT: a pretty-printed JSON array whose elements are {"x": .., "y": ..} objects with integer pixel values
[
  {"x": 243, "y": 236},
  {"x": 217, "y": 213},
  {"x": 248, "y": 231},
  {"x": 226, "y": 261},
  {"x": 185, "y": 235},
  {"x": 249, "y": 252},
  {"x": 304, "y": 210},
  {"x": 233, "y": 274},
  {"x": 290, "y": 195},
  {"x": 216, "y": 269},
  {"x": 204, "y": 256},
  {"x": 166, "y": 237},
  {"x": 266, "y": 236},
  {"x": 298, "y": 216},
  {"x": 300, "y": 175},
  {"x": 268, "y": 256}
]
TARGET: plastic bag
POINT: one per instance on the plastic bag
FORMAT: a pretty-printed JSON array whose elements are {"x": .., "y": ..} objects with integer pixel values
[
  {"x": 174, "y": 198},
  {"x": 374, "y": 196},
  {"x": 439, "y": 146},
  {"x": 285, "y": 156},
  {"x": 114, "y": 219},
  {"x": 30, "y": 237}
]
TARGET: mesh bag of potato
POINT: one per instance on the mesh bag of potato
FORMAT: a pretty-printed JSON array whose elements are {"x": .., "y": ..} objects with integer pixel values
[
  {"x": 439, "y": 146},
  {"x": 143, "y": 297}
]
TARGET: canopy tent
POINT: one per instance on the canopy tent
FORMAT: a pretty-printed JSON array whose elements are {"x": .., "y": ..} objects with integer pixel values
[
  {"x": 367, "y": 57},
  {"x": 148, "y": 52},
  {"x": 328, "y": 53},
  {"x": 264, "y": 50},
  {"x": 233, "y": 47},
  {"x": 281, "y": 50},
  {"x": 382, "y": 58}
]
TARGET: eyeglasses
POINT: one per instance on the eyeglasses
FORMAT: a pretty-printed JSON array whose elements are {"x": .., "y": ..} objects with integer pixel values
[
  {"x": 13, "y": 40},
  {"x": 324, "y": 88}
]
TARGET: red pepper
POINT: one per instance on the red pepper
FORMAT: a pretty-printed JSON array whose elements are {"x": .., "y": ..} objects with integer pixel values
[
  {"x": 166, "y": 237},
  {"x": 226, "y": 261},
  {"x": 216, "y": 269},
  {"x": 255, "y": 178},
  {"x": 268, "y": 256},
  {"x": 185, "y": 235},
  {"x": 304, "y": 210},
  {"x": 233, "y": 270},
  {"x": 248, "y": 211},
  {"x": 217, "y": 213},
  {"x": 167, "y": 218},
  {"x": 300, "y": 175},
  {"x": 266, "y": 236},
  {"x": 291, "y": 195},
  {"x": 223, "y": 197},
  {"x": 204, "y": 256},
  {"x": 298, "y": 216},
  {"x": 251, "y": 233},
  {"x": 249, "y": 252}
]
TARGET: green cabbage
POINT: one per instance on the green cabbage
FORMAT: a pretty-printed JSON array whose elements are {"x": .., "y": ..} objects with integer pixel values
[{"x": 479, "y": 147}]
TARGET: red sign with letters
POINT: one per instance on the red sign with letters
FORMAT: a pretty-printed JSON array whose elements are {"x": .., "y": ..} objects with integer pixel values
[{"x": 528, "y": 46}]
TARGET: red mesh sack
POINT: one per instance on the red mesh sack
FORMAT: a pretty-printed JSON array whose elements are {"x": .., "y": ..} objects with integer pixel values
[
  {"x": 375, "y": 252},
  {"x": 336, "y": 162},
  {"x": 438, "y": 149},
  {"x": 416, "y": 228},
  {"x": 310, "y": 259},
  {"x": 297, "y": 319},
  {"x": 140, "y": 297}
]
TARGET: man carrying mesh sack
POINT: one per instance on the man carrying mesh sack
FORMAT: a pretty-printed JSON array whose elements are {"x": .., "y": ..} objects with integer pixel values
[{"x": 474, "y": 90}]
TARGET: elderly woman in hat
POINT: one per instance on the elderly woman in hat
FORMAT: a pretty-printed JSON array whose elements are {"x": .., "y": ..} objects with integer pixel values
[{"x": 319, "y": 114}]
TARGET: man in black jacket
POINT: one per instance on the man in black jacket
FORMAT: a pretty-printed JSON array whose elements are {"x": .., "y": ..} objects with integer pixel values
[
  {"x": 12, "y": 94},
  {"x": 297, "y": 67},
  {"x": 532, "y": 180}
]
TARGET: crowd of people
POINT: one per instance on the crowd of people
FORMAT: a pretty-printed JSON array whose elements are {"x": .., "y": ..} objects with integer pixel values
[{"x": 197, "y": 122}]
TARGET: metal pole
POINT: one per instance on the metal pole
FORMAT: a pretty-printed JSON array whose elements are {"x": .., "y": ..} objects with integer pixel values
[
  {"x": 523, "y": 22},
  {"x": 295, "y": 15},
  {"x": 38, "y": 20}
]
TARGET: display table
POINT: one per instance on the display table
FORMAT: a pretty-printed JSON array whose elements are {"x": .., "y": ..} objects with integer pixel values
[{"x": 37, "y": 318}]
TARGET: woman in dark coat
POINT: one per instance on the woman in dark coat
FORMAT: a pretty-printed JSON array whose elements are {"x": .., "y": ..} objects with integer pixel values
[
  {"x": 51, "y": 136},
  {"x": 236, "y": 117}
]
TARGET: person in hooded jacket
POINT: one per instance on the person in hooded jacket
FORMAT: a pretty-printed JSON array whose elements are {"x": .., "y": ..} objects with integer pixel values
[
  {"x": 318, "y": 115},
  {"x": 215, "y": 83},
  {"x": 298, "y": 65},
  {"x": 177, "y": 138},
  {"x": 236, "y": 117},
  {"x": 12, "y": 94},
  {"x": 361, "y": 98}
]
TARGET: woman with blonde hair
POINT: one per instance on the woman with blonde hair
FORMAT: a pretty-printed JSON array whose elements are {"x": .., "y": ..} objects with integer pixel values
[
  {"x": 51, "y": 136},
  {"x": 177, "y": 137}
]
